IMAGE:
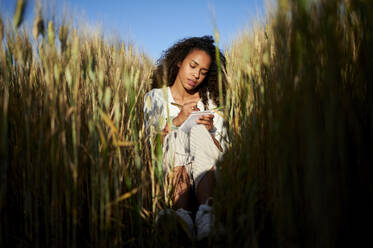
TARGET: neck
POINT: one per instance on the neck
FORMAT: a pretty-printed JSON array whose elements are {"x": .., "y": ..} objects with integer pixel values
[{"x": 180, "y": 92}]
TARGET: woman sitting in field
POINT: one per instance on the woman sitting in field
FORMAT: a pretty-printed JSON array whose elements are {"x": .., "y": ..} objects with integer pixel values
[{"x": 189, "y": 69}]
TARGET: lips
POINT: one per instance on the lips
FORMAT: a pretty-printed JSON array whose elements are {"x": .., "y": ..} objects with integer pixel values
[{"x": 191, "y": 82}]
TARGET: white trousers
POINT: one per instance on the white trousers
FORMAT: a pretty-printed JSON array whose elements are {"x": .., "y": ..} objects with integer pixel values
[{"x": 195, "y": 150}]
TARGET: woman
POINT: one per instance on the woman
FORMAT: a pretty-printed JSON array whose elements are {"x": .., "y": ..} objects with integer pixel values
[{"x": 190, "y": 71}]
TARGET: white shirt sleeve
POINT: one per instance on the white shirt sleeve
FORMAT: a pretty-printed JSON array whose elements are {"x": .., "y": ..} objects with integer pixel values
[{"x": 154, "y": 108}]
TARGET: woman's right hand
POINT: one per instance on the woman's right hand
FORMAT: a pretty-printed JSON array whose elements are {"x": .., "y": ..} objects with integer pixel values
[{"x": 185, "y": 111}]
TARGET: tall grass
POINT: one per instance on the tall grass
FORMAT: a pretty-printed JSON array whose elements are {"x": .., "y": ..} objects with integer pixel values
[
  {"x": 298, "y": 173},
  {"x": 76, "y": 170},
  {"x": 73, "y": 170}
]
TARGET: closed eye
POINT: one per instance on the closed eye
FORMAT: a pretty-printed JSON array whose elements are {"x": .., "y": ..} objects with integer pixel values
[{"x": 203, "y": 73}]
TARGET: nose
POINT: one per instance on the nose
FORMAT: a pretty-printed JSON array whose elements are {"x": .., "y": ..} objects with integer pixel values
[{"x": 196, "y": 74}]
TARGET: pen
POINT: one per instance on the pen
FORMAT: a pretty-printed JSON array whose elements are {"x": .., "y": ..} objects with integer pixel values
[
  {"x": 214, "y": 110},
  {"x": 177, "y": 105}
]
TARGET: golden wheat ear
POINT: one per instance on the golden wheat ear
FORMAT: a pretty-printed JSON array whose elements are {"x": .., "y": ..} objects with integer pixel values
[{"x": 19, "y": 14}]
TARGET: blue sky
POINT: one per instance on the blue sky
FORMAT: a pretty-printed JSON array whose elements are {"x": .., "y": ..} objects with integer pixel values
[{"x": 155, "y": 25}]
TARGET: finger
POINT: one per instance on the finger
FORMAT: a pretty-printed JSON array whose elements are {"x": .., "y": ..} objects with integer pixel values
[
  {"x": 204, "y": 122},
  {"x": 190, "y": 106},
  {"x": 208, "y": 127},
  {"x": 207, "y": 118}
]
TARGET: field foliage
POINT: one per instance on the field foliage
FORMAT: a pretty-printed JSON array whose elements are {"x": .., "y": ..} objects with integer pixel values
[{"x": 76, "y": 169}]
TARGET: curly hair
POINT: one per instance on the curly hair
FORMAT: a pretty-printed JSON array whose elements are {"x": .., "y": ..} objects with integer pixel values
[{"x": 167, "y": 69}]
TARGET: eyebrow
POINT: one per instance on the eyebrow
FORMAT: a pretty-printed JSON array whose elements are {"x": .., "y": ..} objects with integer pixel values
[{"x": 198, "y": 64}]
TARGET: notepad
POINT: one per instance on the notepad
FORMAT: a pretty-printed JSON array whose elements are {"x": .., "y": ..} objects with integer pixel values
[{"x": 191, "y": 121}]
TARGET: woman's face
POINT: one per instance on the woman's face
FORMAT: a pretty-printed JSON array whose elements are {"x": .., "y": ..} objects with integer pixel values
[{"x": 193, "y": 69}]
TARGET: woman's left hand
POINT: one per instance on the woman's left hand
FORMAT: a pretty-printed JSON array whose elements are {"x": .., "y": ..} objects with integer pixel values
[{"x": 207, "y": 120}]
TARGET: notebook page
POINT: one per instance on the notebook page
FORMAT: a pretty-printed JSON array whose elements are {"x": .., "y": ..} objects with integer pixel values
[{"x": 191, "y": 121}]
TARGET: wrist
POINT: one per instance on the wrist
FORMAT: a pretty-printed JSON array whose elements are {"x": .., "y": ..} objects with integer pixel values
[{"x": 176, "y": 121}]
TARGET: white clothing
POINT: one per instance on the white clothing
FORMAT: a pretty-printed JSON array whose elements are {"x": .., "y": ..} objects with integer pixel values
[
  {"x": 195, "y": 150},
  {"x": 158, "y": 110}
]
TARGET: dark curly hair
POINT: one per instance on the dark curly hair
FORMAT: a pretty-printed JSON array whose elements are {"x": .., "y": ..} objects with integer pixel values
[{"x": 167, "y": 69}]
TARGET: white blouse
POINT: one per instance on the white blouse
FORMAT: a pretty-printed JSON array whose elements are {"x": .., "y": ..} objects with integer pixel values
[{"x": 158, "y": 109}]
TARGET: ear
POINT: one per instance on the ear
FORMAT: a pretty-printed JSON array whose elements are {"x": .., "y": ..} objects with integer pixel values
[{"x": 179, "y": 64}]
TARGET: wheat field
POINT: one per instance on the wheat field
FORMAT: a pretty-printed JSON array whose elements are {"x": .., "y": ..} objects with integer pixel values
[{"x": 76, "y": 169}]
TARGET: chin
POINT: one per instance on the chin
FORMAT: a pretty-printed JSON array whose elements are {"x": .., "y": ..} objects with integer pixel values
[{"x": 188, "y": 87}]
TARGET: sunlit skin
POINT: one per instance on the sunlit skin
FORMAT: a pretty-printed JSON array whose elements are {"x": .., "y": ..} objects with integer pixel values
[{"x": 192, "y": 71}]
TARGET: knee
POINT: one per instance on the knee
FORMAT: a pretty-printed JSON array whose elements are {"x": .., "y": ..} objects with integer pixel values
[
  {"x": 178, "y": 175},
  {"x": 180, "y": 188},
  {"x": 205, "y": 185}
]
